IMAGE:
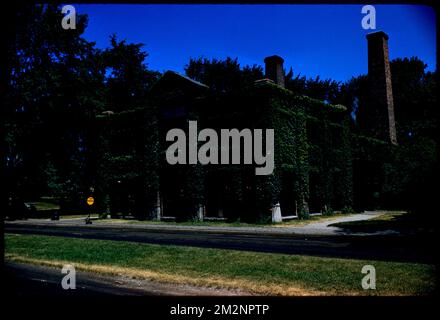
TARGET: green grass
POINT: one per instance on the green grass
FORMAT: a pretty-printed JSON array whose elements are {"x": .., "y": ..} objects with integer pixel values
[
  {"x": 43, "y": 205},
  {"x": 259, "y": 272},
  {"x": 79, "y": 216}
]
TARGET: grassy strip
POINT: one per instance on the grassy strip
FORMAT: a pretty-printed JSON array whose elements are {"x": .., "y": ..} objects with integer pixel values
[
  {"x": 79, "y": 216},
  {"x": 263, "y": 273},
  {"x": 41, "y": 206},
  {"x": 213, "y": 282}
]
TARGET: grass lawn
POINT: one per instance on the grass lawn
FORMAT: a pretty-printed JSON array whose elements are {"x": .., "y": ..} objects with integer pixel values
[
  {"x": 263, "y": 273},
  {"x": 79, "y": 216},
  {"x": 43, "y": 205},
  {"x": 290, "y": 223},
  {"x": 71, "y": 216}
]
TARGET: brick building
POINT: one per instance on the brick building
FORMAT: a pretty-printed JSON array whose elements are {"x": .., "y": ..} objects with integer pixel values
[{"x": 317, "y": 157}]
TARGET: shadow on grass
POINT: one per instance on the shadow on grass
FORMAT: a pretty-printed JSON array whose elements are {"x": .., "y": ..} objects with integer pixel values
[{"x": 402, "y": 222}]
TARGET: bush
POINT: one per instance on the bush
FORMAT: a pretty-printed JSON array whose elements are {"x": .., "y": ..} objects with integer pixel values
[{"x": 347, "y": 210}]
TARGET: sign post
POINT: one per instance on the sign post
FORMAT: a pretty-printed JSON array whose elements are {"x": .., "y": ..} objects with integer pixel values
[{"x": 90, "y": 202}]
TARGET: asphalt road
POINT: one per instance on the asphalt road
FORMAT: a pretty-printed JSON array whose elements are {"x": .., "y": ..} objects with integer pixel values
[
  {"x": 24, "y": 280},
  {"x": 385, "y": 247}
]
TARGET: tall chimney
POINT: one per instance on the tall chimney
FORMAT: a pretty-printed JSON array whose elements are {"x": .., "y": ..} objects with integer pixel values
[
  {"x": 381, "y": 105},
  {"x": 274, "y": 69}
]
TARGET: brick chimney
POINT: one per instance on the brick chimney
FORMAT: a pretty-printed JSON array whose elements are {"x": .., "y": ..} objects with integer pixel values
[
  {"x": 381, "y": 105},
  {"x": 274, "y": 69}
]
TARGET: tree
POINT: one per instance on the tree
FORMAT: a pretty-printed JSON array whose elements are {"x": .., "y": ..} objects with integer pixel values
[
  {"x": 415, "y": 103},
  {"x": 55, "y": 89},
  {"x": 127, "y": 76},
  {"x": 326, "y": 90},
  {"x": 353, "y": 95},
  {"x": 58, "y": 82},
  {"x": 409, "y": 170},
  {"x": 127, "y": 144},
  {"x": 414, "y": 92},
  {"x": 223, "y": 75}
]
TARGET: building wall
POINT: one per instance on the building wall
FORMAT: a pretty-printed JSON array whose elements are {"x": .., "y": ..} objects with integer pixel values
[{"x": 312, "y": 145}]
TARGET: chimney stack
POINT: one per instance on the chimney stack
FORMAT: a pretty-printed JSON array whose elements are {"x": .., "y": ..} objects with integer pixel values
[
  {"x": 274, "y": 69},
  {"x": 381, "y": 106}
]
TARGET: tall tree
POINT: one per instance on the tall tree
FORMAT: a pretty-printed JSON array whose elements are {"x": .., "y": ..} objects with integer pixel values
[
  {"x": 326, "y": 90},
  {"x": 414, "y": 92},
  {"x": 127, "y": 165},
  {"x": 127, "y": 76},
  {"x": 409, "y": 175},
  {"x": 55, "y": 89},
  {"x": 223, "y": 75}
]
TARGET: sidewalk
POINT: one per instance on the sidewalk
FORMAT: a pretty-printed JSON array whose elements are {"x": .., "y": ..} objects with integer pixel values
[{"x": 315, "y": 228}]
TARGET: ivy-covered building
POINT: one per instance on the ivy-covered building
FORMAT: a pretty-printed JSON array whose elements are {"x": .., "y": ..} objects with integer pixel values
[{"x": 321, "y": 164}]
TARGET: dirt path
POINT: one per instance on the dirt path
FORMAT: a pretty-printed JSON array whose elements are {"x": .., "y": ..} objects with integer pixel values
[{"x": 324, "y": 227}]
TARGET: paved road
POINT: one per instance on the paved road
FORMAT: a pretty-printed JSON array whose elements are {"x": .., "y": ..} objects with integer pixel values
[
  {"x": 388, "y": 248},
  {"x": 319, "y": 228},
  {"x": 325, "y": 227},
  {"x": 26, "y": 280}
]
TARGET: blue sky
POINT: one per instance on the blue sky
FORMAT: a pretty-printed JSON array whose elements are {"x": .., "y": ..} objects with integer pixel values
[{"x": 324, "y": 40}]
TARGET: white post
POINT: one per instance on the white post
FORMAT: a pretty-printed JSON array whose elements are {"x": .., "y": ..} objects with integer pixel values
[
  {"x": 276, "y": 213},
  {"x": 201, "y": 212},
  {"x": 158, "y": 211}
]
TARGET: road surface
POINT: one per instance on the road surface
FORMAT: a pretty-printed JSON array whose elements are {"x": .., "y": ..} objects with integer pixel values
[
  {"x": 29, "y": 280},
  {"x": 383, "y": 247}
]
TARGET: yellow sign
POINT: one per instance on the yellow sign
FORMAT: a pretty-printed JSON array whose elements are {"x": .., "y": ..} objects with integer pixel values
[{"x": 90, "y": 201}]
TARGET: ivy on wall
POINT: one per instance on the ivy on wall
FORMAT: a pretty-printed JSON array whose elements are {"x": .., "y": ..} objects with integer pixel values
[
  {"x": 128, "y": 158},
  {"x": 311, "y": 139},
  {"x": 315, "y": 151}
]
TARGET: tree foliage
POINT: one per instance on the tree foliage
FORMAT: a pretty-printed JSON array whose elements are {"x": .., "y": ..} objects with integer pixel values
[
  {"x": 54, "y": 91},
  {"x": 58, "y": 82},
  {"x": 326, "y": 90},
  {"x": 223, "y": 75},
  {"x": 128, "y": 79}
]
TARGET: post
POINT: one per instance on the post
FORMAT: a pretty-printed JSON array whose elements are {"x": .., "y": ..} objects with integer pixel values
[
  {"x": 201, "y": 212},
  {"x": 276, "y": 213},
  {"x": 158, "y": 208},
  {"x": 90, "y": 201}
]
